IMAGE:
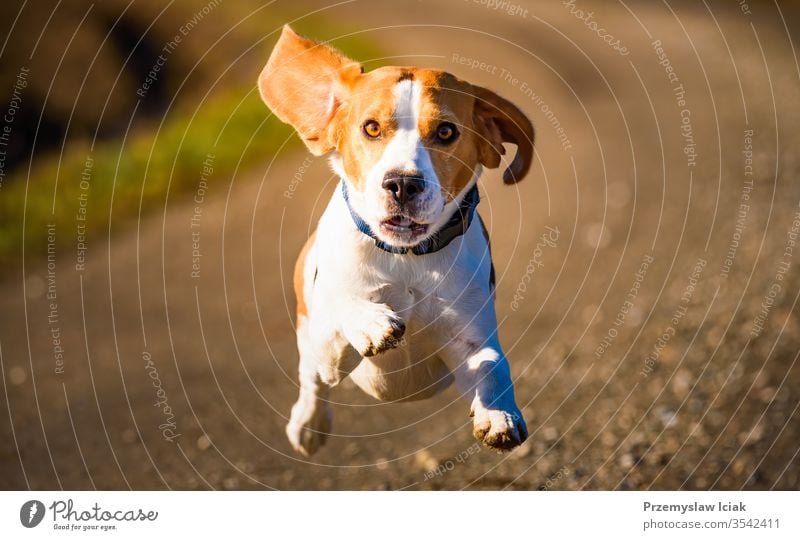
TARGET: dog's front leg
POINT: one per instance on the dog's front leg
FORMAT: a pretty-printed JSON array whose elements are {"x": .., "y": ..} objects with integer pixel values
[
  {"x": 350, "y": 328},
  {"x": 325, "y": 358},
  {"x": 482, "y": 375},
  {"x": 332, "y": 341}
]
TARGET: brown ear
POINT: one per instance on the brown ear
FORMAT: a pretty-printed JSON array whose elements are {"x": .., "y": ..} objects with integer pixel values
[
  {"x": 305, "y": 84},
  {"x": 497, "y": 120}
]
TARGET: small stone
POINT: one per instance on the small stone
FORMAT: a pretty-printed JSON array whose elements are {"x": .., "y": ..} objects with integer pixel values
[
  {"x": 700, "y": 483},
  {"x": 129, "y": 436},
  {"x": 352, "y": 449},
  {"x": 635, "y": 316},
  {"x": 591, "y": 315},
  {"x": 203, "y": 442},
  {"x": 230, "y": 483},
  {"x": 381, "y": 464},
  {"x": 597, "y": 235},
  {"x": 667, "y": 417},
  {"x": 767, "y": 394},
  {"x": 425, "y": 460},
  {"x": 753, "y": 436},
  {"x": 637, "y": 438},
  {"x": 550, "y": 434},
  {"x": 681, "y": 382},
  {"x": 739, "y": 466},
  {"x": 626, "y": 461},
  {"x": 17, "y": 375}
]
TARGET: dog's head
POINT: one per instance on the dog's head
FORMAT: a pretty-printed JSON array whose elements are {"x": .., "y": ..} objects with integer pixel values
[{"x": 408, "y": 141}]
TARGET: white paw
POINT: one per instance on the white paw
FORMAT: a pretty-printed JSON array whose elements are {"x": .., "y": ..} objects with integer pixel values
[
  {"x": 374, "y": 330},
  {"x": 499, "y": 429},
  {"x": 309, "y": 426}
]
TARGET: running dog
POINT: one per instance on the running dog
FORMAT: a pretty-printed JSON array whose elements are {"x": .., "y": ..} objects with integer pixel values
[{"x": 395, "y": 289}]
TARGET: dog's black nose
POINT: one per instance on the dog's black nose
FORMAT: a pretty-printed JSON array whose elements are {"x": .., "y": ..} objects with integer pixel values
[{"x": 403, "y": 186}]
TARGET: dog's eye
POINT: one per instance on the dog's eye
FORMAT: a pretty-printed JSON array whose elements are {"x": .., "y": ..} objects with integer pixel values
[
  {"x": 372, "y": 129},
  {"x": 446, "y": 132}
]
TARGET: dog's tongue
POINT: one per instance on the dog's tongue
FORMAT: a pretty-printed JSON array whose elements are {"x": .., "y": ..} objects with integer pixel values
[{"x": 400, "y": 222}]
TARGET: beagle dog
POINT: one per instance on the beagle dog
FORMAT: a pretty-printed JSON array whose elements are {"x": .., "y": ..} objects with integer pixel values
[{"x": 395, "y": 288}]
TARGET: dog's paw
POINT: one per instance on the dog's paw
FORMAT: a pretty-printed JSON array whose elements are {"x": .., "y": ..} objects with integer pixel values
[
  {"x": 499, "y": 429},
  {"x": 309, "y": 426},
  {"x": 375, "y": 330}
]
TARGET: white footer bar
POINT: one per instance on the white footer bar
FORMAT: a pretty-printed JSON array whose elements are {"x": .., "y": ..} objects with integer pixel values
[{"x": 400, "y": 515}]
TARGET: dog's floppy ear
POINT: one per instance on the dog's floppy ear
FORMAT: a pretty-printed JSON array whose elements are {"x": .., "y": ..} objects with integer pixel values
[
  {"x": 305, "y": 84},
  {"x": 497, "y": 120}
]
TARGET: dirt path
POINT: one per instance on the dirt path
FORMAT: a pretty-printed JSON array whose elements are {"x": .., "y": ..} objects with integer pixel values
[{"x": 639, "y": 352}]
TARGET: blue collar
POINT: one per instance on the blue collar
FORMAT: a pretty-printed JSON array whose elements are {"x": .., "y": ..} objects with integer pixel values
[{"x": 456, "y": 226}]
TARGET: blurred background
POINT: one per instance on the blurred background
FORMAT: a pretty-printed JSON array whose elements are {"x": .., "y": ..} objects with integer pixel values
[{"x": 151, "y": 210}]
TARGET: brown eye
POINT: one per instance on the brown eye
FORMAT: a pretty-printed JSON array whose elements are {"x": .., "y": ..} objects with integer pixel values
[
  {"x": 446, "y": 132},
  {"x": 372, "y": 129}
]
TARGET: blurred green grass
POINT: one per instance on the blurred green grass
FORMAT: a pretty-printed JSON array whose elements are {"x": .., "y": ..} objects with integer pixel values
[
  {"x": 137, "y": 171},
  {"x": 156, "y": 161}
]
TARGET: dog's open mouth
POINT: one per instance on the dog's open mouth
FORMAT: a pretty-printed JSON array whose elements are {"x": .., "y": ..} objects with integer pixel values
[{"x": 402, "y": 225}]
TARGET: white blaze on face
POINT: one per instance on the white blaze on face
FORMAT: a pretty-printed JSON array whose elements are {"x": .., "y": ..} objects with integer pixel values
[{"x": 404, "y": 152}]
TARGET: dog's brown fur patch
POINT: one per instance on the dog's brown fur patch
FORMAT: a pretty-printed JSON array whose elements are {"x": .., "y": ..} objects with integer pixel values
[{"x": 299, "y": 277}]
